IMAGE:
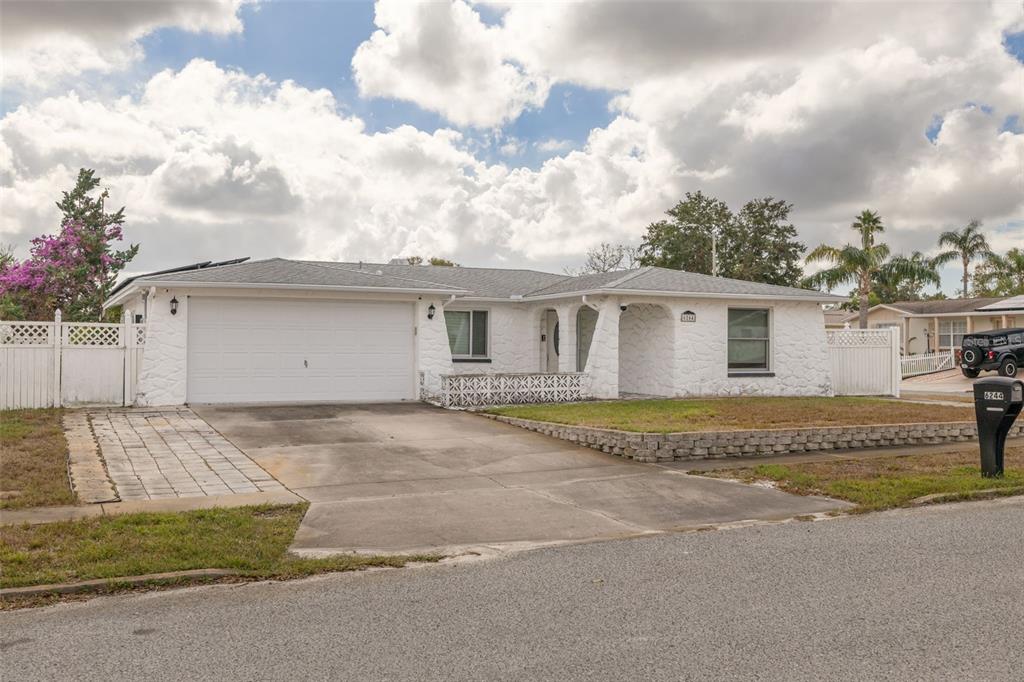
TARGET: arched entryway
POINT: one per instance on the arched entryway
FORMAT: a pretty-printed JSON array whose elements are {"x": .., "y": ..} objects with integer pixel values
[
  {"x": 586, "y": 323},
  {"x": 550, "y": 343},
  {"x": 646, "y": 350}
]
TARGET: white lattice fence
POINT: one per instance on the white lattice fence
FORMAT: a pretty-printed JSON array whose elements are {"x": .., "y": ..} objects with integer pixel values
[
  {"x": 476, "y": 390},
  {"x": 49, "y": 364},
  {"x": 865, "y": 361}
]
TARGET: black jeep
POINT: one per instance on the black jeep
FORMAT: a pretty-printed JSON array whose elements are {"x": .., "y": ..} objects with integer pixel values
[{"x": 999, "y": 349}]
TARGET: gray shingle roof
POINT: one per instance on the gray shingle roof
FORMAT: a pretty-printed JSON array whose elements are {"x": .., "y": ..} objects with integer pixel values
[
  {"x": 943, "y": 306},
  {"x": 483, "y": 282},
  {"x": 566, "y": 285},
  {"x": 298, "y": 273},
  {"x": 664, "y": 279},
  {"x": 477, "y": 282}
]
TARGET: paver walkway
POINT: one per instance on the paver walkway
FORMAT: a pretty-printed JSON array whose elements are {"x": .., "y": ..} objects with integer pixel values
[{"x": 171, "y": 452}]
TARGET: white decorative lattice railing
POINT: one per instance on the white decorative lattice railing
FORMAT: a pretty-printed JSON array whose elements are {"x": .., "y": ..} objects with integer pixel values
[
  {"x": 50, "y": 364},
  {"x": 914, "y": 365},
  {"x": 477, "y": 390}
]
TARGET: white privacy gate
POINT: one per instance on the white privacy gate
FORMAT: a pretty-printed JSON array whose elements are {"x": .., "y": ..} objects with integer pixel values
[
  {"x": 51, "y": 364},
  {"x": 865, "y": 361}
]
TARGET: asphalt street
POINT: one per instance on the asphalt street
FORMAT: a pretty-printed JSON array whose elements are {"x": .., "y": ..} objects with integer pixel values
[{"x": 934, "y": 593}]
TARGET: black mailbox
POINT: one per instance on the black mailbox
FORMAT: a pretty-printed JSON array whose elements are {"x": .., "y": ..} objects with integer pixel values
[{"x": 997, "y": 402}]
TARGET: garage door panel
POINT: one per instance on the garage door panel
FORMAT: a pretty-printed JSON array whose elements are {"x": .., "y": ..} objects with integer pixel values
[{"x": 273, "y": 351}]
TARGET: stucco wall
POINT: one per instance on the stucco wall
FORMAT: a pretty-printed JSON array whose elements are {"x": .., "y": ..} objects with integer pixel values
[
  {"x": 162, "y": 376},
  {"x": 646, "y": 357},
  {"x": 515, "y": 344},
  {"x": 602, "y": 375},
  {"x": 432, "y": 353},
  {"x": 799, "y": 356}
]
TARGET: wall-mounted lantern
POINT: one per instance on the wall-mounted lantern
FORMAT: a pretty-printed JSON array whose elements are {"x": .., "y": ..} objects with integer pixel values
[
  {"x": 174, "y": 306},
  {"x": 430, "y": 311}
]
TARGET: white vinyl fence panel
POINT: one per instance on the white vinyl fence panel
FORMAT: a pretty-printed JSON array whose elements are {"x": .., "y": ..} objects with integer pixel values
[
  {"x": 913, "y": 365},
  {"x": 50, "y": 364},
  {"x": 865, "y": 361}
]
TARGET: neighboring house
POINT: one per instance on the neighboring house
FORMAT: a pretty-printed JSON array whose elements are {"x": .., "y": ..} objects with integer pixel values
[
  {"x": 936, "y": 326},
  {"x": 303, "y": 331},
  {"x": 836, "y": 318}
]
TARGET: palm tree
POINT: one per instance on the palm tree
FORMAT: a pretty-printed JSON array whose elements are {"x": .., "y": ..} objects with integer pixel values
[
  {"x": 853, "y": 264},
  {"x": 966, "y": 244},
  {"x": 902, "y": 278},
  {"x": 1001, "y": 275}
]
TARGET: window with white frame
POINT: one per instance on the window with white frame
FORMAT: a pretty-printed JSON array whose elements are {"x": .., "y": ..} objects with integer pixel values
[
  {"x": 951, "y": 333},
  {"x": 749, "y": 339},
  {"x": 467, "y": 333}
]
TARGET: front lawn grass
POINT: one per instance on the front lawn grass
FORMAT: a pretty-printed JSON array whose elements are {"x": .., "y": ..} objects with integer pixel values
[
  {"x": 251, "y": 540},
  {"x": 33, "y": 460},
  {"x": 731, "y": 414},
  {"x": 885, "y": 482}
]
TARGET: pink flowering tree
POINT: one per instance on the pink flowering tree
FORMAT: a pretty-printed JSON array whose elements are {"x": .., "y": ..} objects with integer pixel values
[{"x": 73, "y": 270}]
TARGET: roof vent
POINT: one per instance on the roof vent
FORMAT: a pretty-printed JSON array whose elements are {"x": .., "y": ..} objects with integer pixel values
[{"x": 380, "y": 272}]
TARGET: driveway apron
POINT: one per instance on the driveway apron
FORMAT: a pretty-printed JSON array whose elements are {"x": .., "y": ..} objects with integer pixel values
[{"x": 409, "y": 477}]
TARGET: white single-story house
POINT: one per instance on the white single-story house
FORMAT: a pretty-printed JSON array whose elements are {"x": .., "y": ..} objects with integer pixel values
[
  {"x": 305, "y": 331},
  {"x": 939, "y": 326}
]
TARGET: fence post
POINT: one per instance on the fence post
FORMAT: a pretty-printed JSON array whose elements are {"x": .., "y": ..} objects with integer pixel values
[
  {"x": 897, "y": 372},
  {"x": 127, "y": 349},
  {"x": 58, "y": 336}
]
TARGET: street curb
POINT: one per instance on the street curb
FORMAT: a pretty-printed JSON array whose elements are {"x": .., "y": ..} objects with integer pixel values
[
  {"x": 987, "y": 494},
  {"x": 125, "y": 581}
]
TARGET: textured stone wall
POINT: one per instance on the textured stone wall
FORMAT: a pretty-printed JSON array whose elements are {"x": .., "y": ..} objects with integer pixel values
[
  {"x": 602, "y": 375},
  {"x": 646, "y": 355},
  {"x": 514, "y": 337},
  {"x": 665, "y": 447},
  {"x": 433, "y": 357},
  {"x": 584, "y": 333},
  {"x": 162, "y": 376},
  {"x": 800, "y": 361}
]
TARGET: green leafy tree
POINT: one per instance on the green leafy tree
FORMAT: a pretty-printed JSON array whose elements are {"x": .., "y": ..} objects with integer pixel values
[
  {"x": 852, "y": 264},
  {"x": 1001, "y": 275},
  {"x": 418, "y": 260},
  {"x": 684, "y": 241},
  {"x": 760, "y": 245},
  {"x": 703, "y": 235},
  {"x": 435, "y": 260},
  {"x": 966, "y": 244}
]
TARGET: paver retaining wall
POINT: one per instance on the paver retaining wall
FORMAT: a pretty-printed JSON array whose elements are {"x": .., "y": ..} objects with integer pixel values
[{"x": 664, "y": 447}]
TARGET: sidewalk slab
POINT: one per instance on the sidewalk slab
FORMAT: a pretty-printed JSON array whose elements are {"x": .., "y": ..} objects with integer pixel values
[{"x": 40, "y": 515}]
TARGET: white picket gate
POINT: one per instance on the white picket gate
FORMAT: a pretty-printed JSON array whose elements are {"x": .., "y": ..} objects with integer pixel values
[
  {"x": 865, "y": 361},
  {"x": 913, "y": 365},
  {"x": 50, "y": 364}
]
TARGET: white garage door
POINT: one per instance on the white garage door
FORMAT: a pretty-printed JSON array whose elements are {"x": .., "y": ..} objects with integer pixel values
[{"x": 249, "y": 350}]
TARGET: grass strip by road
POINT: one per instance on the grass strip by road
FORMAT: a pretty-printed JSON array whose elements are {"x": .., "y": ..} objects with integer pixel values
[
  {"x": 33, "y": 460},
  {"x": 735, "y": 414},
  {"x": 250, "y": 540},
  {"x": 885, "y": 482}
]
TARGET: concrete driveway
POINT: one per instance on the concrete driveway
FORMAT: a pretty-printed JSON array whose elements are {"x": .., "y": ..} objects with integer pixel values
[
  {"x": 951, "y": 381},
  {"x": 411, "y": 477}
]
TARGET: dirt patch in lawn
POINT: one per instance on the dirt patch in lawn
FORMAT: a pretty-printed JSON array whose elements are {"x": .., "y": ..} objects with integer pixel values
[
  {"x": 881, "y": 483},
  {"x": 731, "y": 414},
  {"x": 33, "y": 460},
  {"x": 250, "y": 540}
]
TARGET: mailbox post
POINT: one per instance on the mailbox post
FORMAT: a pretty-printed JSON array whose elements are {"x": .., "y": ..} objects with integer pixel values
[{"x": 997, "y": 402}]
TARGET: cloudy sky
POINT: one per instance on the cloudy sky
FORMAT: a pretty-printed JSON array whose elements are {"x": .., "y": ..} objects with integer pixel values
[{"x": 506, "y": 134}]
